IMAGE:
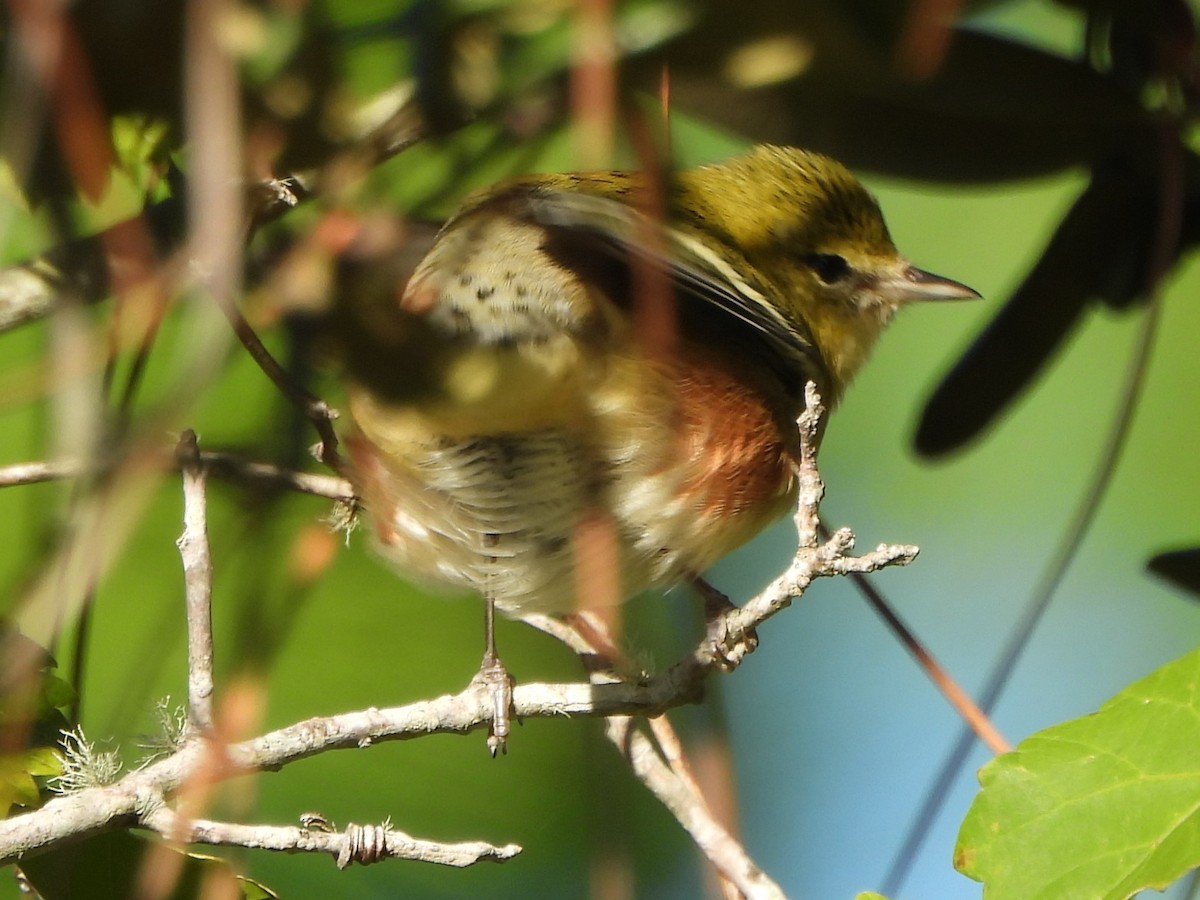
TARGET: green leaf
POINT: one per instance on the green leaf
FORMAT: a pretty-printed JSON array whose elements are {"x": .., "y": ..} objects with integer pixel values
[
  {"x": 253, "y": 890},
  {"x": 1097, "y": 807},
  {"x": 17, "y": 787},
  {"x": 56, "y": 693},
  {"x": 42, "y": 761},
  {"x": 17, "y": 771}
]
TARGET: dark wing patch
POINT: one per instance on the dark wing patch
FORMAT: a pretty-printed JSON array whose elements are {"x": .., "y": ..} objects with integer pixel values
[{"x": 695, "y": 269}]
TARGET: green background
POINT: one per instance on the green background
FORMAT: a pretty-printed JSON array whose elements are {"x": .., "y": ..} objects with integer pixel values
[{"x": 836, "y": 735}]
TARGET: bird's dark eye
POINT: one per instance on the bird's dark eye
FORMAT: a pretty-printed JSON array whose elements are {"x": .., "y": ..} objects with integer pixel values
[{"x": 829, "y": 267}]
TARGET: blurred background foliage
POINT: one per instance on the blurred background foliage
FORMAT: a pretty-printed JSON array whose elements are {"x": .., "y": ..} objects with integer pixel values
[{"x": 1041, "y": 152}]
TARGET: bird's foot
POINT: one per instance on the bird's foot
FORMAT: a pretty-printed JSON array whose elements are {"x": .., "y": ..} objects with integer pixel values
[
  {"x": 494, "y": 678},
  {"x": 728, "y": 645}
]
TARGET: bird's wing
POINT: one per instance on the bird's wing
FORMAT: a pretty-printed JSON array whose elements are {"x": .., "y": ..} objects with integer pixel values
[
  {"x": 488, "y": 333},
  {"x": 696, "y": 268}
]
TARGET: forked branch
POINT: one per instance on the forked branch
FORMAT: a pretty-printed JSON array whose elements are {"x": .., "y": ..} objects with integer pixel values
[{"x": 152, "y": 797}]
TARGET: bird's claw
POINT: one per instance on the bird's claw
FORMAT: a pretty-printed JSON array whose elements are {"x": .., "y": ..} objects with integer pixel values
[
  {"x": 728, "y": 646},
  {"x": 494, "y": 678}
]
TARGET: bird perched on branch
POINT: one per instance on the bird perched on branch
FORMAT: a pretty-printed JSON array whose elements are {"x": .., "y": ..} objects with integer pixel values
[{"x": 589, "y": 384}]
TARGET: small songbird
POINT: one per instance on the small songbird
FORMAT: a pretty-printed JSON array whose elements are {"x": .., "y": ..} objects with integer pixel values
[{"x": 506, "y": 398}]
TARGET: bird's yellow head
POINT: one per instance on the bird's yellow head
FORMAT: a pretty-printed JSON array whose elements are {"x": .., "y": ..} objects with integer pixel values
[{"x": 810, "y": 243}]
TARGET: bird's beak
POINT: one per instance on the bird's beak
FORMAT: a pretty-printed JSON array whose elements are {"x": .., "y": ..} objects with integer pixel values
[{"x": 912, "y": 283}]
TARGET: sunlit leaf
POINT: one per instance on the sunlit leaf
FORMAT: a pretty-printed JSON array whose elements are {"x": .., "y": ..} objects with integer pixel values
[
  {"x": 17, "y": 787},
  {"x": 1097, "y": 807},
  {"x": 18, "y": 771}
]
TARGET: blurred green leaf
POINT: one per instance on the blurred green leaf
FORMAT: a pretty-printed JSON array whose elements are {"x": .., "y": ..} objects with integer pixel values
[
  {"x": 17, "y": 787},
  {"x": 56, "y": 692},
  {"x": 33, "y": 705},
  {"x": 1102, "y": 806}
]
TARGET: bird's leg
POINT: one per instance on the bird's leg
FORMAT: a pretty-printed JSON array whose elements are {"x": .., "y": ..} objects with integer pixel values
[
  {"x": 494, "y": 676},
  {"x": 728, "y": 648}
]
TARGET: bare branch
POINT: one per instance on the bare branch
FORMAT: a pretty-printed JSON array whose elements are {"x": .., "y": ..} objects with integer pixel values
[
  {"x": 198, "y": 576},
  {"x": 238, "y": 468},
  {"x": 811, "y": 489},
  {"x": 664, "y": 768},
  {"x": 145, "y": 798},
  {"x": 316, "y": 410},
  {"x": 363, "y": 844},
  {"x": 228, "y": 465},
  {"x": 27, "y": 293},
  {"x": 690, "y": 810},
  {"x": 809, "y": 564},
  {"x": 39, "y": 471},
  {"x": 131, "y": 800}
]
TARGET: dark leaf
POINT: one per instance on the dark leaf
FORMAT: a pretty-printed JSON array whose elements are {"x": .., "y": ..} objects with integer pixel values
[
  {"x": 1099, "y": 250},
  {"x": 1180, "y": 567},
  {"x": 995, "y": 109},
  {"x": 1152, "y": 40}
]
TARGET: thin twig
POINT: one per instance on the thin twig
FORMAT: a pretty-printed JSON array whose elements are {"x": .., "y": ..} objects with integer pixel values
[
  {"x": 316, "y": 410},
  {"x": 238, "y": 468},
  {"x": 39, "y": 471},
  {"x": 363, "y": 844},
  {"x": 229, "y": 465},
  {"x": 810, "y": 488},
  {"x": 663, "y": 768},
  {"x": 142, "y": 798},
  {"x": 140, "y": 793},
  {"x": 197, "y": 574},
  {"x": 978, "y": 723},
  {"x": 671, "y": 749},
  {"x": 689, "y": 809},
  {"x": 809, "y": 528}
]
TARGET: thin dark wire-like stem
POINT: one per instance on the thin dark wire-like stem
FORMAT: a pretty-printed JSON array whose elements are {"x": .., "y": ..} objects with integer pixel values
[
  {"x": 976, "y": 720},
  {"x": 314, "y": 409},
  {"x": 1166, "y": 240}
]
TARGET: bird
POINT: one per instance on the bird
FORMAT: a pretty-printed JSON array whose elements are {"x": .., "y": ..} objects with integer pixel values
[{"x": 506, "y": 398}]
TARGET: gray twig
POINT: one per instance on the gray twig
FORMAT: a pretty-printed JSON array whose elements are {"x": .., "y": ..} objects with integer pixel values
[
  {"x": 363, "y": 844},
  {"x": 198, "y": 577}
]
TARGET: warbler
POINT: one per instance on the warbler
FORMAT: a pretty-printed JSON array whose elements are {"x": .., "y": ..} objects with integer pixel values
[{"x": 504, "y": 401}]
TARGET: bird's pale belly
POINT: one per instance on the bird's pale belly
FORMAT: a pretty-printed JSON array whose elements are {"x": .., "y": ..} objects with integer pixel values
[{"x": 656, "y": 481}]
